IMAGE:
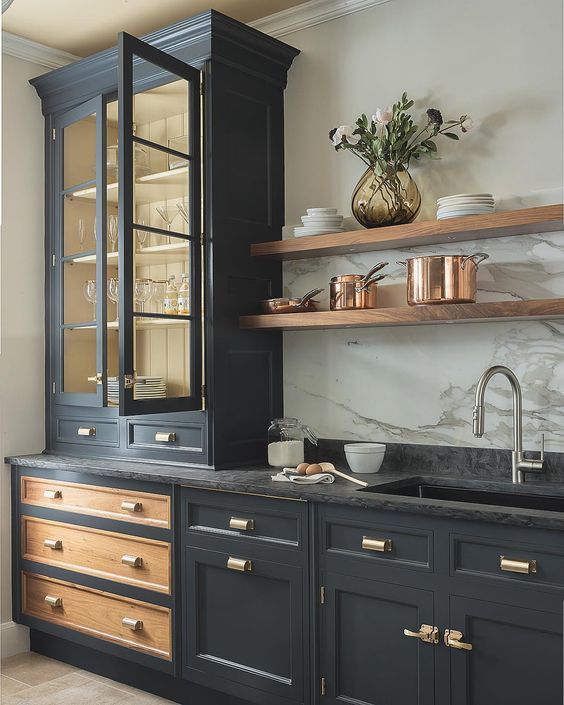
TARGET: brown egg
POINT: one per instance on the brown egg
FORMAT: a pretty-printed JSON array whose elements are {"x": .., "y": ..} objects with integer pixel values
[
  {"x": 314, "y": 469},
  {"x": 302, "y": 467}
]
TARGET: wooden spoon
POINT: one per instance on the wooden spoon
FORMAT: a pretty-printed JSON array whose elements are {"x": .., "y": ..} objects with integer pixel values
[{"x": 329, "y": 467}]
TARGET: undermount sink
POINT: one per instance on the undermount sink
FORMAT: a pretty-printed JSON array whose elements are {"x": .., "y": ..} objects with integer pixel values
[{"x": 466, "y": 494}]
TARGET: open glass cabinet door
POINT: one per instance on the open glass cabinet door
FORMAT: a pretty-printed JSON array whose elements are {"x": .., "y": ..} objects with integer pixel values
[
  {"x": 79, "y": 260},
  {"x": 160, "y": 301}
]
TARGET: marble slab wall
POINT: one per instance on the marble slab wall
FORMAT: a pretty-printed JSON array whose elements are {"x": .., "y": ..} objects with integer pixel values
[{"x": 416, "y": 384}]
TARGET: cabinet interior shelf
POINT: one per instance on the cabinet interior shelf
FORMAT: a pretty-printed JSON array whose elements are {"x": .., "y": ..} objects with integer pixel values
[
  {"x": 155, "y": 254},
  {"x": 541, "y": 309},
  {"x": 541, "y": 219},
  {"x": 142, "y": 324}
]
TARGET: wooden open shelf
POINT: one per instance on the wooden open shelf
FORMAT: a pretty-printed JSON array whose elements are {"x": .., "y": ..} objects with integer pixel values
[
  {"x": 542, "y": 219},
  {"x": 542, "y": 309}
]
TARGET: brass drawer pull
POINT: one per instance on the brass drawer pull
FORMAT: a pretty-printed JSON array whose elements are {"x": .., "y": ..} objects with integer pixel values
[
  {"x": 513, "y": 566},
  {"x": 54, "y": 601},
  {"x": 55, "y": 544},
  {"x": 427, "y": 633},
  {"x": 133, "y": 561},
  {"x": 134, "y": 624},
  {"x": 241, "y": 524},
  {"x": 132, "y": 506},
  {"x": 453, "y": 638},
  {"x": 53, "y": 494},
  {"x": 165, "y": 437},
  {"x": 380, "y": 545},
  {"x": 83, "y": 431},
  {"x": 241, "y": 564}
]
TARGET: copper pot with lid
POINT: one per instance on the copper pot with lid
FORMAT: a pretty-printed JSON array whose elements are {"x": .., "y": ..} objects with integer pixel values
[
  {"x": 355, "y": 291},
  {"x": 442, "y": 279}
]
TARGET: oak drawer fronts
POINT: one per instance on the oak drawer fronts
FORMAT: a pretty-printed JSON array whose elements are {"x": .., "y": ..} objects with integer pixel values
[
  {"x": 145, "y": 563},
  {"x": 507, "y": 560},
  {"x": 94, "y": 500},
  {"x": 121, "y": 620}
]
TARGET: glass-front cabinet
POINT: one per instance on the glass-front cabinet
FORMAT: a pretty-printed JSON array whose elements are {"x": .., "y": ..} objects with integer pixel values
[{"x": 129, "y": 261}]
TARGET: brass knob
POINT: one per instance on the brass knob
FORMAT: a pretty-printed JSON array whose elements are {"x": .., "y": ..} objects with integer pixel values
[
  {"x": 453, "y": 638},
  {"x": 132, "y": 506},
  {"x": 133, "y": 561},
  {"x": 54, "y": 601},
  {"x": 83, "y": 431},
  {"x": 55, "y": 544},
  {"x": 241, "y": 564},
  {"x": 52, "y": 494},
  {"x": 511, "y": 565},
  {"x": 135, "y": 625},
  {"x": 426, "y": 633},
  {"x": 380, "y": 545},
  {"x": 165, "y": 437},
  {"x": 241, "y": 524},
  {"x": 98, "y": 378}
]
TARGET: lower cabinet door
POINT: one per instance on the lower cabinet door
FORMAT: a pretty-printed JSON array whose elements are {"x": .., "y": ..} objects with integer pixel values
[
  {"x": 244, "y": 623},
  {"x": 516, "y": 654},
  {"x": 366, "y": 659}
]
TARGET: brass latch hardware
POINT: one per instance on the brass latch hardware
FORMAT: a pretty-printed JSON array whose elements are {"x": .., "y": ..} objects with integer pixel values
[
  {"x": 241, "y": 564},
  {"x": 165, "y": 437},
  {"x": 52, "y": 494},
  {"x": 516, "y": 566},
  {"x": 135, "y": 624},
  {"x": 132, "y": 506},
  {"x": 380, "y": 545},
  {"x": 426, "y": 633},
  {"x": 98, "y": 378},
  {"x": 55, "y": 544},
  {"x": 129, "y": 381},
  {"x": 322, "y": 686},
  {"x": 54, "y": 601},
  {"x": 132, "y": 561},
  {"x": 83, "y": 431},
  {"x": 241, "y": 524},
  {"x": 453, "y": 638},
  {"x": 322, "y": 595}
]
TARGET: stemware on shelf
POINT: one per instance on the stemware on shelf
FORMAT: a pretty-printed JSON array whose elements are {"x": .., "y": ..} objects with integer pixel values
[
  {"x": 143, "y": 291},
  {"x": 89, "y": 290},
  {"x": 168, "y": 215},
  {"x": 113, "y": 231},
  {"x": 141, "y": 234},
  {"x": 113, "y": 292},
  {"x": 159, "y": 293},
  {"x": 81, "y": 230}
]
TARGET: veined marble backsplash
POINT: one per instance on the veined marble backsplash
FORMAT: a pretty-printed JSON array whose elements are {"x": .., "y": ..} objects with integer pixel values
[{"x": 415, "y": 384}]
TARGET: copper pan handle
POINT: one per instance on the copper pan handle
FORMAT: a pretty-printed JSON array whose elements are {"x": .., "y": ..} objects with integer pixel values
[
  {"x": 310, "y": 294},
  {"x": 375, "y": 268},
  {"x": 402, "y": 262},
  {"x": 477, "y": 258},
  {"x": 361, "y": 286}
]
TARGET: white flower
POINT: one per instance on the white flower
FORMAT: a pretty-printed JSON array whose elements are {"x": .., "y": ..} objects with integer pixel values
[
  {"x": 383, "y": 117},
  {"x": 467, "y": 125},
  {"x": 345, "y": 131}
]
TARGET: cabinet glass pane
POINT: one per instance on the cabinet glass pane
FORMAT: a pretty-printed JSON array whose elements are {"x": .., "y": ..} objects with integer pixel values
[
  {"x": 112, "y": 233},
  {"x": 160, "y": 114},
  {"x": 79, "y": 292},
  {"x": 79, "y": 360},
  {"x": 79, "y": 225},
  {"x": 79, "y": 152}
]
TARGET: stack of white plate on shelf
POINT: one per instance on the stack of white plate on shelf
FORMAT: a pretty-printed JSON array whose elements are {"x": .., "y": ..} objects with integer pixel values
[
  {"x": 145, "y": 388},
  {"x": 320, "y": 221},
  {"x": 464, "y": 204}
]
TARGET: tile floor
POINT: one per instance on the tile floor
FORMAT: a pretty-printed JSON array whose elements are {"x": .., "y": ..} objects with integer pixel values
[{"x": 31, "y": 679}]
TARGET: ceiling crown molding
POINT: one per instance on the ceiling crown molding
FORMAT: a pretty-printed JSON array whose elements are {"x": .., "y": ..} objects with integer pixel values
[
  {"x": 36, "y": 53},
  {"x": 310, "y": 14}
]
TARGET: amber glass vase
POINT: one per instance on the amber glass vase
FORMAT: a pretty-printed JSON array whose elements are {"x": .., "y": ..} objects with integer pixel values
[{"x": 389, "y": 199}]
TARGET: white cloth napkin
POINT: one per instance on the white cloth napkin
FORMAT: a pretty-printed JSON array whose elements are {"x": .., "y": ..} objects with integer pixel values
[{"x": 290, "y": 475}]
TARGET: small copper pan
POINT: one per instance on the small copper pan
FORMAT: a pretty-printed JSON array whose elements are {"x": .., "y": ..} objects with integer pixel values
[
  {"x": 291, "y": 305},
  {"x": 355, "y": 291}
]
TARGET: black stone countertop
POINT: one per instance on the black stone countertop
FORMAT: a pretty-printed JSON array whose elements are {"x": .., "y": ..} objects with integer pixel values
[{"x": 257, "y": 480}]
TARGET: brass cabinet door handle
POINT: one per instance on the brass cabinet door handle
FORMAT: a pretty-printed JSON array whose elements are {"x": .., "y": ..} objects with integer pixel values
[
  {"x": 241, "y": 564},
  {"x": 426, "y": 633},
  {"x": 135, "y": 625},
  {"x": 83, "y": 431},
  {"x": 133, "y": 561},
  {"x": 52, "y": 494},
  {"x": 241, "y": 524},
  {"x": 132, "y": 506},
  {"x": 380, "y": 545},
  {"x": 98, "y": 378},
  {"x": 54, "y": 601},
  {"x": 55, "y": 544},
  {"x": 165, "y": 437},
  {"x": 453, "y": 638},
  {"x": 517, "y": 566}
]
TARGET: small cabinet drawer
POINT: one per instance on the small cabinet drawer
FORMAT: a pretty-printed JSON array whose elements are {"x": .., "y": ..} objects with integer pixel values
[
  {"x": 253, "y": 518},
  {"x": 129, "y": 623},
  {"x": 136, "y": 561},
  {"x": 94, "y": 500},
  {"x": 344, "y": 537},
  {"x": 505, "y": 560},
  {"x": 168, "y": 436},
  {"x": 88, "y": 431}
]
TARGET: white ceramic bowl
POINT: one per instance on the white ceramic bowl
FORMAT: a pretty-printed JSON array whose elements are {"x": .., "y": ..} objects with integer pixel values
[
  {"x": 321, "y": 211},
  {"x": 365, "y": 457}
]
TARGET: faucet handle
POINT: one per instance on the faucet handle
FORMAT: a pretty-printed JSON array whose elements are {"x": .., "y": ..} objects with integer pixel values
[{"x": 542, "y": 448}]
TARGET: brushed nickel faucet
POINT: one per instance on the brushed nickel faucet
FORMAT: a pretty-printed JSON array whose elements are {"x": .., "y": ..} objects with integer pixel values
[{"x": 519, "y": 465}]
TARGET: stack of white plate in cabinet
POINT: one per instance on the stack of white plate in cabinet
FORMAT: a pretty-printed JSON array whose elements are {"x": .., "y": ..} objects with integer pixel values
[
  {"x": 145, "y": 388},
  {"x": 464, "y": 204},
  {"x": 320, "y": 221}
]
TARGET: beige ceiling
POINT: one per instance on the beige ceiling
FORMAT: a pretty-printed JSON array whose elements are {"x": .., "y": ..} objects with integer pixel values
[{"x": 82, "y": 27}]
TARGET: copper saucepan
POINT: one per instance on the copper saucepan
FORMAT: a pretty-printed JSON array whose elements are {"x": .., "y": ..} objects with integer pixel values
[
  {"x": 355, "y": 291},
  {"x": 442, "y": 279},
  {"x": 291, "y": 305}
]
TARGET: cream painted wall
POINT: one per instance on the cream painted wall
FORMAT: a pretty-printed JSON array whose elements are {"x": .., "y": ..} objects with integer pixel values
[{"x": 21, "y": 286}]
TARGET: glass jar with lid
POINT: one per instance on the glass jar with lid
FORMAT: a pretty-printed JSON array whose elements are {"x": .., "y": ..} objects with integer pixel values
[{"x": 286, "y": 442}]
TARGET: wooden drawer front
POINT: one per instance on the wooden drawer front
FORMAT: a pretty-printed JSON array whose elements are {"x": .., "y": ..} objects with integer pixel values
[
  {"x": 88, "y": 431},
  {"x": 108, "y": 502},
  {"x": 251, "y": 518},
  {"x": 127, "y": 559},
  {"x": 482, "y": 557},
  {"x": 378, "y": 542},
  {"x": 168, "y": 437},
  {"x": 99, "y": 614}
]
